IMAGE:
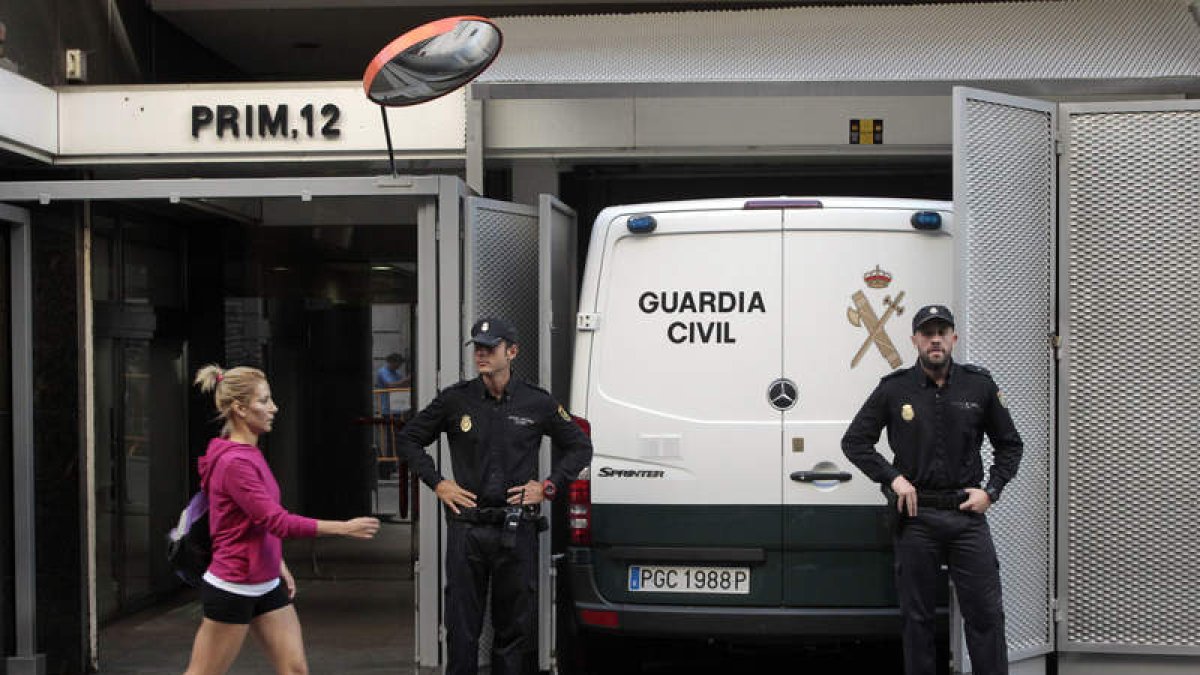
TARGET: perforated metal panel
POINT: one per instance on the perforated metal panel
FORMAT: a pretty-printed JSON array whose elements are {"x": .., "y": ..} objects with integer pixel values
[
  {"x": 500, "y": 273},
  {"x": 500, "y": 278},
  {"x": 558, "y": 292},
  {"x": 1011, "y": 41},
  {"x": 1130, "y": 567},
  {"x": 1004, "y": 201}
]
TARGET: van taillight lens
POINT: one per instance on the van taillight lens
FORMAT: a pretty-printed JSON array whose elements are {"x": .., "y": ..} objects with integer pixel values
[
  {"x": 583, "y": 424},
  {"x": 782, "y": 203},
  {"x": 579, "y": 509},
  {"x": 600, "y": 617},
  {"x": 579, "y": 512}
]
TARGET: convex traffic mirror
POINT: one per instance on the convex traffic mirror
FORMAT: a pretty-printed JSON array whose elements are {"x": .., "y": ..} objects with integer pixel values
[{"x": 431, "y": 60}]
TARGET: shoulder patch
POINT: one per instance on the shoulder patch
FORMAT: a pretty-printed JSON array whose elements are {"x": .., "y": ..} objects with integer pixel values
[
  {"x": 978, "y": 370},
  {"x": 562, "y": 412}
]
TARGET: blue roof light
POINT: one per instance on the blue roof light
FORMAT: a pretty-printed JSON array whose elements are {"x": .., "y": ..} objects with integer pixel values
[
  {"x": 641, "y": 224},
  {"x": 926, "y": 220}
]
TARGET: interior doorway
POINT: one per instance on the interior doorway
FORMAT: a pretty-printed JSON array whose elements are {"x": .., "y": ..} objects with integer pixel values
[
  {"x": 278, "y": 272},
  {"x": 316, "y": 294}
]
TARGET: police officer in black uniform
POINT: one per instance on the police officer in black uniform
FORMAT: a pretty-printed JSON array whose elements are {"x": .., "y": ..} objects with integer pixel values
[
  {"x": 495, "y": 426},
  {"x": 936, "y": 413}
]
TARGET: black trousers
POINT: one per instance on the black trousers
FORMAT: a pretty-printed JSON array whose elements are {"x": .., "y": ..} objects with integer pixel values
[
  {"x": 476, "y": 555},
  {"x": 963, "y": 541}
]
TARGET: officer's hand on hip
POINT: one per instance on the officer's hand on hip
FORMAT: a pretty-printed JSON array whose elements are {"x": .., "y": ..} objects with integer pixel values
[
  {"x": 529, "y": 493},
  {"x": 977, "y": 501},
  {"x": 454, "y": 495},
  {"x": 906, "y": 496}
]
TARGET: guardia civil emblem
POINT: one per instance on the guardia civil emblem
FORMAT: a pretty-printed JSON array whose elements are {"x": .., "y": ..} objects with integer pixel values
[
  {"x": 465, "y": 423},
  {"x": 862, "y": 315},
  {"x": 564, "y": 414},
  {"x": 906, "y": 412}
]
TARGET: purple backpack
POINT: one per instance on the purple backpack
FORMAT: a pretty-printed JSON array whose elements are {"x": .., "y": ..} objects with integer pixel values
[{"x": 189, "y": 545}]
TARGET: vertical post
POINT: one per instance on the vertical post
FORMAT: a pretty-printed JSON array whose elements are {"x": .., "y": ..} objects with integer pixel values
[
  {"x": 387, "y": 133},
  {"x": 474, "y": 142},
  {"x": 26, "y": 661}
]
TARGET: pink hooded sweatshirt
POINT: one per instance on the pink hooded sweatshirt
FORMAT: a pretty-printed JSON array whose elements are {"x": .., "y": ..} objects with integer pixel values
[{"x": 244, "y": 516}]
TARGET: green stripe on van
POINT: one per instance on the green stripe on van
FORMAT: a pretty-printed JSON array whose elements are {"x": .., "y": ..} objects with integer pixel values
[{"x": 812, "y": 556}]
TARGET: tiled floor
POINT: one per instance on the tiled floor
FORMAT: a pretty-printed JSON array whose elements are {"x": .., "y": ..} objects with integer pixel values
[{"x": 355, "y": 601}]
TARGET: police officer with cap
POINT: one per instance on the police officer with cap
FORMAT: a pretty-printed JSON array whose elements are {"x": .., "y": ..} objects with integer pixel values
[
  {"x": 936, "y": 414},
  {"x": 495, "y": 425}
]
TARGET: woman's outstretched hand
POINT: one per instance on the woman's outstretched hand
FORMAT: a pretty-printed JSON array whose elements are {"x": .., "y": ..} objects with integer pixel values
[{"x": 361, "y": 528}]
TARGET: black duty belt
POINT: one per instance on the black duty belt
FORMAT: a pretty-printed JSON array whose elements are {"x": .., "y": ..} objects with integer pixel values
[
  {"x": 507, "y": 518},
  {"x": 941, "y": 499},
  {"x": 496, "y": 515}
]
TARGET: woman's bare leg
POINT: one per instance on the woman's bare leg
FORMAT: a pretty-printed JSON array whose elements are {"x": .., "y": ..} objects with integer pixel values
[
  {"x": 217, "y": 645},
  {"x": 280, "y": 635}
]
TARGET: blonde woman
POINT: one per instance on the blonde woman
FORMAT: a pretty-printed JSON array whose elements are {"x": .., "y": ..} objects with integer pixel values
[{"x": 247, "y": 587}]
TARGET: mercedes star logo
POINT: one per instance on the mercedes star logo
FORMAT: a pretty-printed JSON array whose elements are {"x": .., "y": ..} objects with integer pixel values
[{"x": 782, "y": 394}]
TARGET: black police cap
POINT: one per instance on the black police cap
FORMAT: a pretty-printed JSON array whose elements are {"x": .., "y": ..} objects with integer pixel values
[
  {"x": 490, "y": 331},
  {"x": 931, "y": 313}
]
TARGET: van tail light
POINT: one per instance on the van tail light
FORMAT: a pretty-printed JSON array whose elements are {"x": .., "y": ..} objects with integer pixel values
[
  {"x": 600, "y": 617},
  {"x": 579, "y": 512},
  {"x": 583, "y": 424},
  {"x": 579, "y": 509},
  {"x": 781, "y": 203}
]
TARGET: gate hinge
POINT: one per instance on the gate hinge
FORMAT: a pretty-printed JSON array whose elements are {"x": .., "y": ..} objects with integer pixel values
[
  {"x": 1056, "y": 344},
  {"x": 587, "y": 321},
  {"x": 1060, "y": 147},
  {"x": 1058, "y": 610}
]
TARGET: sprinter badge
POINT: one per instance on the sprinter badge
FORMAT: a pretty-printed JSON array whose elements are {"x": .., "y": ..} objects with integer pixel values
[
  {"x": 465, "y": 423},
  {"x": 906, "y": 412}
]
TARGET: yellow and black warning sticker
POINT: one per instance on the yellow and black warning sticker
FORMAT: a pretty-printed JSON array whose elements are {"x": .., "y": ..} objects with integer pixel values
[{"x": 866, "y": 132}]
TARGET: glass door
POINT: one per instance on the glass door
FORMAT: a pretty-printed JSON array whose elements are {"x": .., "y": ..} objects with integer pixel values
[{"x": 140, "y": 388}]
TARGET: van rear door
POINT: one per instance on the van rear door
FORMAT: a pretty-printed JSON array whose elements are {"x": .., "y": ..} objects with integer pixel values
[
  {"x": 685, "y": 478},
  {"x": 854, "y": 274}
]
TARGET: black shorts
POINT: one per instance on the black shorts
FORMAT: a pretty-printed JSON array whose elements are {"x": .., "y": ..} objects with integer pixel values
[{"x": 226, "y": 607}]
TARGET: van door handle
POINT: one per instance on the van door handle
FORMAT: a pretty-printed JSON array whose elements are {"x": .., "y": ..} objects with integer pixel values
[{"x": 812, "y": 476}]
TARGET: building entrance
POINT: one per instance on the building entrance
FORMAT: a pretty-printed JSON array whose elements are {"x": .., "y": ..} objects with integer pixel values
[
  {"x": 318, "y": 306},
  {"x": 317, "y": 281}
]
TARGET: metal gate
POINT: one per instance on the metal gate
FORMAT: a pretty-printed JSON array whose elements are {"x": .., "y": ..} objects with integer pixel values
[
  {"x": 517, "y": 262},
  {"x": 1004, "y": 196},
  {"x": 24, "y": 566},
  {"x": 1129, "y": 557}
]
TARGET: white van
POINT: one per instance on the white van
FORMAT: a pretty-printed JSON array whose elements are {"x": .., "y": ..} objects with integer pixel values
[{"x": 722, "y": 348}]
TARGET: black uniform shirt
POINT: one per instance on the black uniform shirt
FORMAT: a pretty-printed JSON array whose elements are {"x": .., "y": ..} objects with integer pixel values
[
  {"x": 494, "y": 442},
  {"x": 935, "y": 432}
]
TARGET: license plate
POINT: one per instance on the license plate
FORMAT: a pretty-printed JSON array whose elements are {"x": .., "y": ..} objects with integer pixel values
[{"x": 689, "y": 579}]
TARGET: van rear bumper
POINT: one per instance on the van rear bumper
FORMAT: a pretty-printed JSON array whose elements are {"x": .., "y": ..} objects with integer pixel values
[
  {"x": 725, "y": 621},
  {"x": 731, "y": 622}
]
